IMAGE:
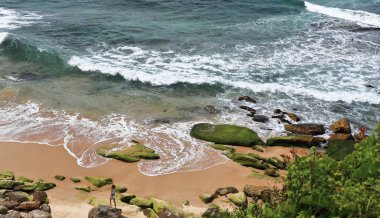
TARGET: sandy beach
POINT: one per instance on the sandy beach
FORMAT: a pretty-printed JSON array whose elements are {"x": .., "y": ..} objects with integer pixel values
[{"x": 44, "y": 162}]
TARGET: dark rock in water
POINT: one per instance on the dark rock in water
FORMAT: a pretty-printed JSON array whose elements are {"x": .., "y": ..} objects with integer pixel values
[
  {"x": 161, "y": 121},
  {"x": 365, "y": 29},
  {"x": 285, "y": 121},
  {"x": 296, "y": 140},
  {"x": 38, "y": 214},
  {"x": 248, "y": 109},
  {"x": 341, "y": 126},
  {"x": 29, "y": 76},
  {"x": 225, "y": 191},
  {"x": 260, "y": 118},
  {"x": 369, "y": 86},
  {"x": 277, "y": 111},
  {"x": 340, "y": 108},
  {"x": 281, "y": 116},
  {"x": 344, "y": 137},
  {"x": 212, "y": 211},
  {"x": 104, "y": 212},
  {"x": 251, "y": 114},
  {"x": 338, "y": 149},
  {"x": 306, "y": 129},
  {"x": 211, "y": 109},
  {"x": 247, "y": 98},
  {"x": 293, "y": 117}
]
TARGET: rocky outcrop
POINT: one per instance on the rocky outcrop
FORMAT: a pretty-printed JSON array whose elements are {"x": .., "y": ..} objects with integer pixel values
[
  {"x": 271, "y": 173},
  {"x": 126, "y": 198},
  {"x": 225, "y": 191},
  {"x": 104, "y": 212},
  {"x": 260, "y": 119},
  {"x": 253, "y": 111},
  {"x": 28, "y": 206},
  {"x": 141, "y": 202},
  {"x": 225, "y": 134},
  {"x": 239, "y": 199},
  {"x": 294, "y": 140},
  {"x": 247, "y": 98},
  {"x": 149, "y": 213},
  {"x": 344, "y": 137},
  {"x": 207, "y": 198},
  {"x": 38, "y": 214},
  {"x": 341, "y": 126},
  {"x": 253, "y": 191},
  {"x": 7, "y": 175},
  {"x": 129, "y": 154},
  {"x": 99, "y": 181},
  {"x": 167, "y": 210},
  {"x": 248, "y": 160},
  {"x": 121, "y": 189},
  {"x": 306, "y": 129}
]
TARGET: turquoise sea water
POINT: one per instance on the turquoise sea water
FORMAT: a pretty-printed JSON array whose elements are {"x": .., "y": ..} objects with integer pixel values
[{"x": 86, "y": 73}]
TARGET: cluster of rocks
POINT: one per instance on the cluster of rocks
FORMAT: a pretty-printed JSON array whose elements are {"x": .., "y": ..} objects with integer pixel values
[
  {"x": 133, "y": 153},
  {"x": 21, "y": 198}
]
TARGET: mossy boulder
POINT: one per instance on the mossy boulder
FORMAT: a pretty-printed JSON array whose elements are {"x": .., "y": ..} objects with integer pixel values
[
  {"x": 6, "y": 175},
  {"x": 141, "y": 202},
  {"x": 126, "y": 198},
  {"x": 99, "y": 181},
  {"x": 226, "y": 134},
  {"x": 338, "y": 149},
  {"x": 207, "y": 198},
  {"x": 24, "y": 179},
  {"x": 44, "y": 186},
  {"x": 277, "y": 163},
  {"x": 9, "y": 184},
  {"x": 85, "y": 189},
  {"x": 306, "y": 129},
  {"x": 129, "y": 154},
  {"x": 121, "y": 189},
  {"x": 239, "y": 199},
  {"x": 75, "y": 180},
  {"x": 223, "y": 148},
  {"x": 294, "y": 140},
  {"x": 248, "y": 160},
  {"x": 59, "y": 177},
  {"x": 166, "y": 209},
  {"x": 29, "y": 187},
  {"x": 149, "y": 213}
]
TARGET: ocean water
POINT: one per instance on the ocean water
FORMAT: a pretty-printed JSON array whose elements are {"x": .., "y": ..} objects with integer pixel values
[{"x": 80, "y": 74}]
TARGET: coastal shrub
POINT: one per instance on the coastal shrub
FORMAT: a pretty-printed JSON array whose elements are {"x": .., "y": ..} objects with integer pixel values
[{"x": 338, "y": 149}]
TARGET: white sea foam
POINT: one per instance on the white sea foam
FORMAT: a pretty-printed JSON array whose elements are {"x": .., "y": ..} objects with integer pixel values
[
  {"x": 357, "y": 16},
  {"x": 3, "y": 35},
  {"x": 12, "y": 19}
]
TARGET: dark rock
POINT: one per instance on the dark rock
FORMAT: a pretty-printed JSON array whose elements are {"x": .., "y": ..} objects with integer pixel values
[
  {"x": 340, "y": 108},
  {"x": 260, "y": 118},
  {"x": 13, "y": 214},
  {"x": 277, "y": 111},
  {"x": 370, "y": 86},
  {"x": 59, "y": 177},
  {"x": 252, "y": 191},
  {"x": 251, "y": 114},
  {"x": 344, "y": 137},
  {"x": 9, "y": 204},
  {"x": 46, "y": 208},
  {"x": 38, "y": 214},
  {"x": 104, "y": 212},
  {"x": 247, "y": 98},
  {"x": 211, "y": 109},
  {"x": 248, "y": 109},
  {"x": 3, "y": 210},
  {"x": 285, "y": 121},
  {"x": 18, "y": 197},
  {"x": 225, "y": 191},
  {"x": 207, "y": 198},
  {"x": 40, "y": 196},
  {"x": 341, "y": 126},
  {"x": 320, "y": 139},
  {"x": 28, "y": 206},
  {"x": 271, "y": 173},
  {"x": 306, "y": 129},
  {"x": 294, "y": 140},
  {"x": 266, "y": 195},
  {"x": 280, "y": 116},
  {"x": 293, "y": 117},
  {"x": 211, "y": 212},
  {"x": 126, "y": 198}
]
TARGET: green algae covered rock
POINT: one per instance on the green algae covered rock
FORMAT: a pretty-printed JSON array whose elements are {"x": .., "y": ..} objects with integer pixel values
[
  {"x": 6, "y": 175},
  {"x": 121, "y": 189},
  {"x": 294, "y": 140},
  {"x": 85, "y": 189},
  {"x": 207, "y": 198},
  {"x": 149, "y": 213},
  {"x": 59, "y": 177},
  {"x": 8, "y": 184},
  {"x": 24, "y": 179},
  {"x": 126, "y": 198},
  {"x": 99, "y": 181},
  {"x": 248, "y": 160},
  {"x": 130, "y": 154},
  {"x": 75, "y": 180},
  {"x": 30, "y": 187},
  {"x": 166, "y": 209},
  {"x": 271, "y": 173},
  {"x": 44, "y": 186},
  {"x": 239, "y": 199},
  {"x": 226, "y": 134},
  {"x": 141, "y": 202},
  {"x": 338, "y": 149},
  {"x": 223, "y": 148}
]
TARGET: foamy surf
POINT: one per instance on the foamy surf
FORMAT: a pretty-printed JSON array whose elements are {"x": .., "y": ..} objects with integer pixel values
[
  {"x": 12, "y": 19},
  {"x": 3, "y": 35},
  {"x": 359, "y": 17}
]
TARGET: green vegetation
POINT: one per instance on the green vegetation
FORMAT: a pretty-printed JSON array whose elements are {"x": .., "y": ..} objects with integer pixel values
[
  {"x": 75, "y": 180},
  {"x": 99, "y": 181},
  {"x": 130, "y": 154},
  {"x": 338, "y": 149},
  {"x": 320, "y": 186},
  {"x": 59, "y": 177},
  {"x": 44, "y": 186},
  {"x": 226, "y": 134}
]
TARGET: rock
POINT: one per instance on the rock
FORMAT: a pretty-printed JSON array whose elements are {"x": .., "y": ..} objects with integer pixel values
[
  {"x": 289, "y": 141},
  {"x": 26, "y": 187},
  {"x": 18, "y": 197},
  {"x": 271, "y": 173},
  {"x": 149, "y": 213},
  {"x": 8, "y": 184},
  {"x": 40, "y": 196},
  {"x": 126, "y": 198},
  {"x": 46, "y": 208},
  {"x": 252, "y": 191},
  {"x": 24, "y": 179},
  {"x": 207, "y": 198},
  {"x": 251, "y": 114},
  {"x": 99, "y": 181},
  {"x": 141, "y": 202},
  {"x": 75, "y": 180},
  {"x": 186, "y": 203},
  {"x": 9, "y": 204},
  {"x": 338, "y": 149},
  {"x": 104, "y": 212},
  {"x": 226, "y": 134},
  {"x": 341, "y": 126},
  {"x": 13, "y": 214},
  {"x": 211, "y": 109},
  {"x": 121, "y": 189},
  {"x": 277, "y": 111},
  {"x": 274, "y": 161},
  {"x": 239, "y": 199},
  {"x": 223, "y": 148},
  {"x": 260, "y": 118},
  {"x": 283, "y": 120},
  {"x": 211, "y": 212},
  {"x": 306, "y": 129},
  {"x": 344, "y": 137},
  {"x": 44, "y": 186},
  {"x": 225, "y": 191},
  {"x": 248, "y": 160},
  {"x": 85, "y": 189},
  {"x": 3, "y": 210},
  {"x": 293, "y": 117},
  {"x": 247, "y": 98},
  {"x": 59, "y": 177},
  {"x": 258, "y": 148},
  {"x": 38, "y": 214},
  {"x": 266, "y": 195},
  {"x": 248, "y": 109},
  {"x": 28, "y": 205},
  {"x": 166, "y": 210},
  {"x": 129, "y": 154},
  {"x": 6, "y": 175},
  {"x": 369, "y": 86}
]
